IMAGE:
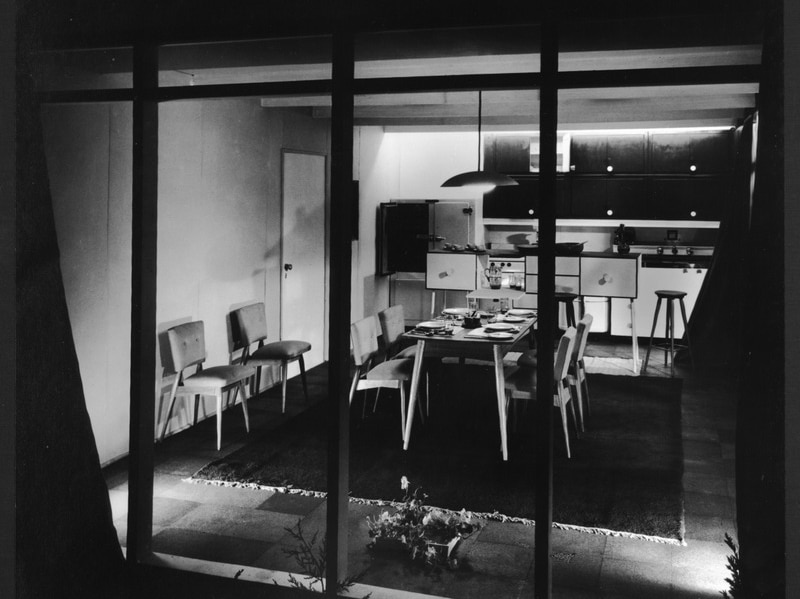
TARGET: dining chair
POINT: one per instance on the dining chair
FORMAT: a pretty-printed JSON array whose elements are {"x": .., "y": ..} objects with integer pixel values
[
  {"x": 188, "y": 349},
  {"x": 521, "y": 384},
  {"x": 576, "y": 374},
  {"x": 252, "y": 321},
  {"x": 393, "y": 325},
  {"x": 391, "y": 374}
]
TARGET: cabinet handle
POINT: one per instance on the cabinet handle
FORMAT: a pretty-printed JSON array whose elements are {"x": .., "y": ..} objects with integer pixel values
[
  {"x": 610, "y": 168},
  {"x": 572, "y": 167},
  {"x": 692, "y": 168},
  {"x": 530, "y": 211},
  {"x": 610, "y": 212},
  {"x": 693, "y": 214}
]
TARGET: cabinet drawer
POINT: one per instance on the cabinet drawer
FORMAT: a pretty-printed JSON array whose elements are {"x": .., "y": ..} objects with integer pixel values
[
  {"x": 609, "y": 277},
  {"x": 452, "y": 271},
  {"x": 565, "y": 265},
  {"x": 564, "y": 284}
]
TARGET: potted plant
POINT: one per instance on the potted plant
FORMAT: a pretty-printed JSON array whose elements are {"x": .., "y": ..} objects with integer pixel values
[{"x": 424, "y": 533}]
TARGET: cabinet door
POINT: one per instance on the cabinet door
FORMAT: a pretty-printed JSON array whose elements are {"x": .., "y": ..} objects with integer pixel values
[
  {"x": 626, "y": 153},
  {"x": 509, "y": 154},
  {"x": 588, "y": 154},
  {"x": 608, "y": 153},
  {"x": 689, "y": 198},
  {"x": 608, "y": 197},
  {"x": 692, "y": 152},
  {"x": 513, "y": 201}
]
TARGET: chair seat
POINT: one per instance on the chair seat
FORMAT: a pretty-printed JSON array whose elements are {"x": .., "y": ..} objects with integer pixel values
[
  {"x": 392, "y": 370},
  {"x": 281, "y": 350},
  {"x": 219, "y": 376},
  {"x": 528, "y": 359}
]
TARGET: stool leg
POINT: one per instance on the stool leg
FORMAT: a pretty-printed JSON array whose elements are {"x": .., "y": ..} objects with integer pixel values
[
  {"x": 671, "y": 308},
  {"x": 652, "y": 333},
  {"x": 686, "y": 332}
]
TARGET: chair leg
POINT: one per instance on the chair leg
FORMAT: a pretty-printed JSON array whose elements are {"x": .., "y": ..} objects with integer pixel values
[
  {"x": 241, "y": 388},
  {"x": 652, "y": 334},
  {"x": 686, "y": 332},
  {"x": 195, "y": 408},
  {"x": 354, "y": 384},
  {"x": 403, "y": 411},
  {"x": 671, "y": 336},
  {"x": 578, "y": 397},
  {"x": 302, "y": 363},
  {"x": 572, "y": 410},
  {"x": 375, "y": 403},
  {"x": 172, "y": 393},
  {"x": 585, "y": 386},
  {"x": 219, "y": 418},
  {"x": 563, "y": 409},
  {"x": 284, "y": 377}
]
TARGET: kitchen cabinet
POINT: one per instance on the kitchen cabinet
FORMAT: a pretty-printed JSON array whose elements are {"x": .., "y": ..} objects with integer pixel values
[
  {"x": 700, "y": 198},
  {"x": 606, "y": 154},
  {"x": 688, "y": 280},
  {"x": 616, "y": 275},
  {"x": 453, "y": 271},
  {"x": 508, "y": 154},
  {"x": 607, "y": 197},
  {"x": 694, "y": 152},
  {"x": 522, "y": 201}
]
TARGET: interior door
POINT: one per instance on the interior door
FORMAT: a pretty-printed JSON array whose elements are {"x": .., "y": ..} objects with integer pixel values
[{"x": 303, "y": 254}]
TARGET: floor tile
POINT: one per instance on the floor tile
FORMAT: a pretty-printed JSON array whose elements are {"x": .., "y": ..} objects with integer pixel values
[
  {"x": 206, "y": 546},
  {"x": 507, "y": 533},
  {"x": 291, "y": 503},
  {"x": 636, "y": 550},
  {"x": 217, "y": 495},
  {"x": 699, "y": 483},
  {"x": 237, "y": 522},
  {"x": 497, "y": 559}
]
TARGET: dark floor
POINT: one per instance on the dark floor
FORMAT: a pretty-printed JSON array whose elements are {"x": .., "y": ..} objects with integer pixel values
[{"x": 246, "y": 527}]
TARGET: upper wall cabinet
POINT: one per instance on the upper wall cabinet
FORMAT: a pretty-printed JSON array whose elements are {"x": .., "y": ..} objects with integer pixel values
[
  {"x": 607, "y": 154},
  {"x": 509, "y": 154},
  {"x": 700, "y": 152}
]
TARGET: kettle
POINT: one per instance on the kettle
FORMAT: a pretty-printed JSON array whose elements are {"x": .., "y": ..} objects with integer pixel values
[{"x": 494, "y": 274}]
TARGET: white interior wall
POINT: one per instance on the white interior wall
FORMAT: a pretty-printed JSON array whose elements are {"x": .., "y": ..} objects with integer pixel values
[
  {"x": 88, "y": 151},
  {"x": 218, "y": 237}
]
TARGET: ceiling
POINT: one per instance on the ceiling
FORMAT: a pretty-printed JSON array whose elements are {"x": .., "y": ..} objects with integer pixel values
[{"x": 623, "y": 45}]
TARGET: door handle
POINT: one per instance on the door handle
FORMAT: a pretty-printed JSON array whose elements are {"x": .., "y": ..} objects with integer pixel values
[{"x": 286, "y": 268}]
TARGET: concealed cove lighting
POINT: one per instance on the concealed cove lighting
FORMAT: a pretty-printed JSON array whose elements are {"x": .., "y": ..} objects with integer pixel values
[{"x": 479, "y": 180}]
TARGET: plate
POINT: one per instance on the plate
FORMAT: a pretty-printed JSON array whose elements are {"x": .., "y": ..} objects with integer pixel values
[
  {"x": 457, "y": 311},
  {"x": 499, "y": 326},
  {"x": 521, "y": 312},
  {"x": 431, "y": 325},
  {"x": 500, "y": 335},
  {"x": 513, "y": 319}
]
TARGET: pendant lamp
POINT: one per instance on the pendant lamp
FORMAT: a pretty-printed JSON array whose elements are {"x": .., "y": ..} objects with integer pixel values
[{"x": 486, "y": 180}]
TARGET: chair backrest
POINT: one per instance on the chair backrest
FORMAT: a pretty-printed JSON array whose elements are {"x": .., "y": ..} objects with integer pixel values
[
  {"x": 584, "y": 325},
  {"x": 393, "y": 324},
  {"x": 252, "y": 321},
  {"x": 187, "y": 344},
  {"x": 563, "y": 353},
  {"x": 364, "y": 336}
]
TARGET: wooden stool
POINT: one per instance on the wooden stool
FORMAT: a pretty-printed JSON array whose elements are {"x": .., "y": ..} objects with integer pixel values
[
  {"x": 568, "y": 299},
  {"x": 669, "y": 346}
]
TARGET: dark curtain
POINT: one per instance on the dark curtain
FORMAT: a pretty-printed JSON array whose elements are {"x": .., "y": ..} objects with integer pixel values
[
  {"x": 66, "y": 545},
  {"x": 760, "y": 415},
  {"x": 716, "y": 322}
]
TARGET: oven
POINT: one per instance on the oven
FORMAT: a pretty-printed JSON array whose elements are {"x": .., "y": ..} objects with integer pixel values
[
  {"x": 674, "y": 256},
  {"x": 512, "y": 269}
]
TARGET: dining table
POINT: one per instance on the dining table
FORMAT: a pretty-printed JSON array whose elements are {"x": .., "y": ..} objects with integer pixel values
[{"x": 489, "y": 342}]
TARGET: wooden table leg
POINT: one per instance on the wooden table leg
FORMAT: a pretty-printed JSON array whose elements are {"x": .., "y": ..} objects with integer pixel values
[
  {"x": 500, "y": 382},
  {"x": 412, "y": 400},
  {"x": 634, "y": 338}
]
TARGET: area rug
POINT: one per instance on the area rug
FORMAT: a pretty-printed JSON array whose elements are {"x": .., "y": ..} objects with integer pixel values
[{"x": 624, "y": 477}]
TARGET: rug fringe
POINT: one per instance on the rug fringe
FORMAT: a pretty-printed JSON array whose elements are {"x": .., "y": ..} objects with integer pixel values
[{"x": 496, "y": 516}]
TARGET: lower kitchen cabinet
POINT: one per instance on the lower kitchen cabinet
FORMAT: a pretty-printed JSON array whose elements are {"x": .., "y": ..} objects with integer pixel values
[{"x": 651, "y": 279}]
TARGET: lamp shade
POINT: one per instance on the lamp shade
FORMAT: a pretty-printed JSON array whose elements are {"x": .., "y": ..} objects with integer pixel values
[{"x": 479, "y": 179}]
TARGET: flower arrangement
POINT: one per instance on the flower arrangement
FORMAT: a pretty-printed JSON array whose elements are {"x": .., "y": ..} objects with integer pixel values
[{"x": 427, "y": 534}]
